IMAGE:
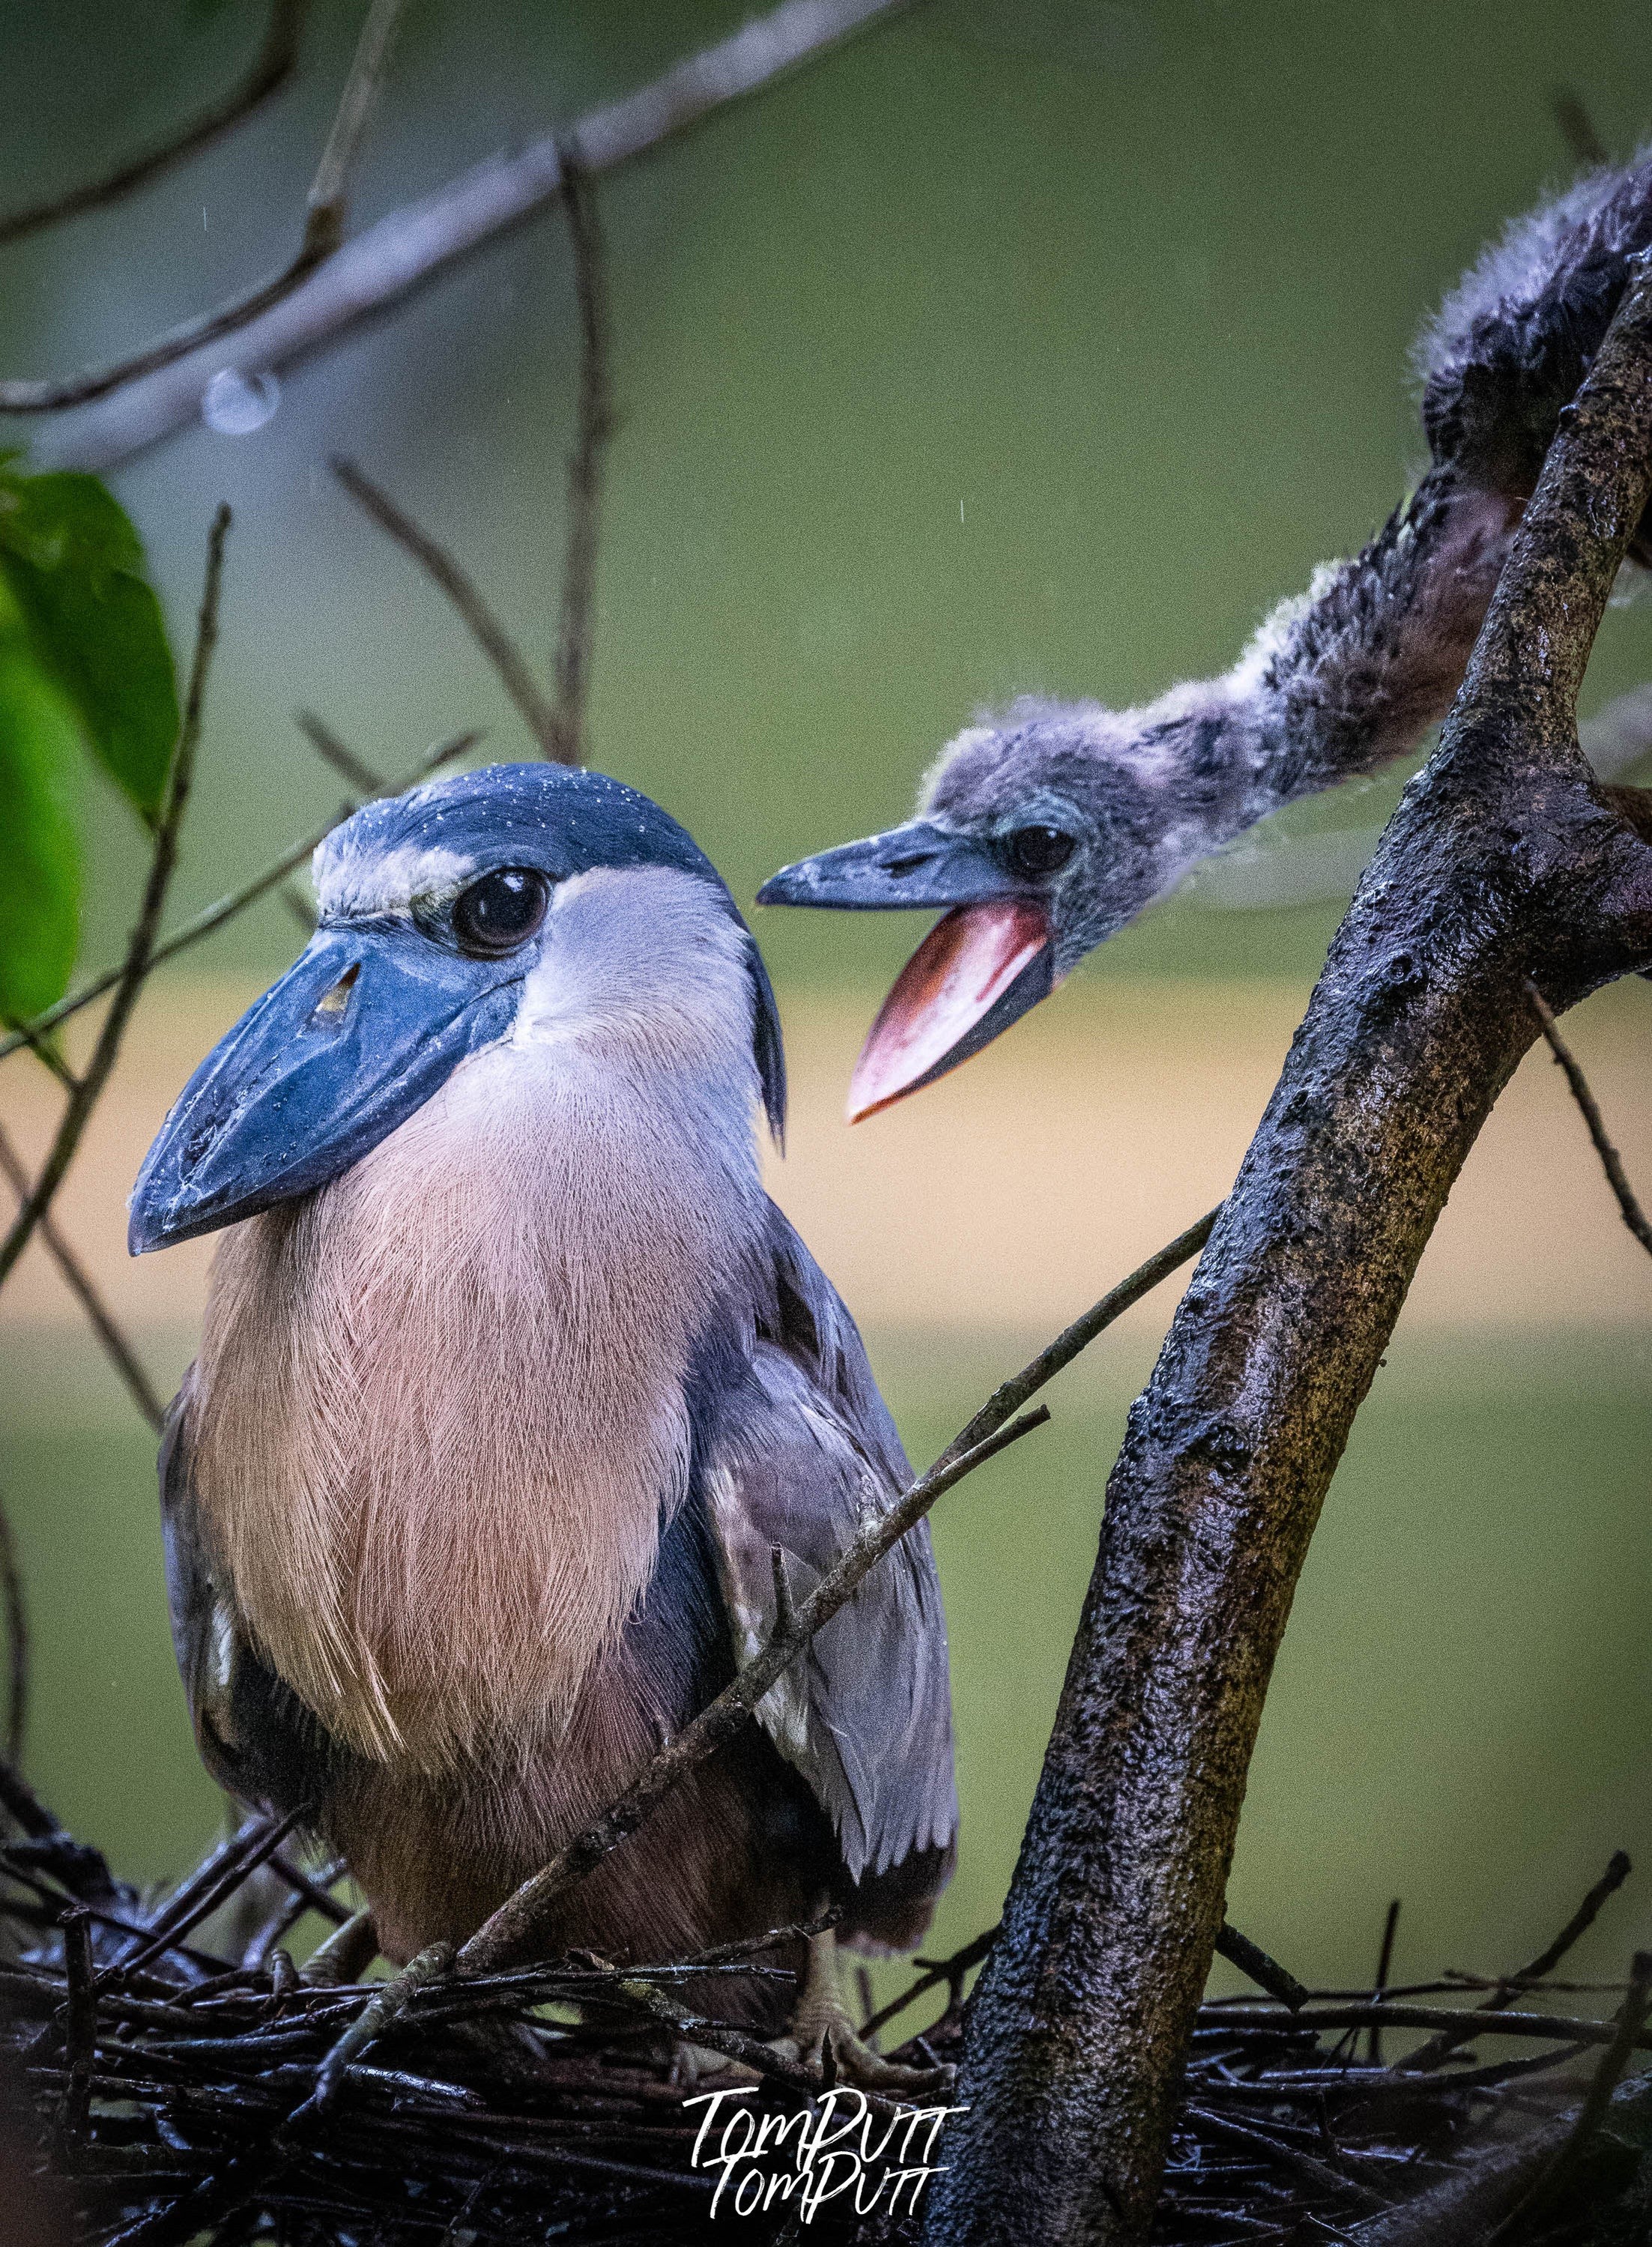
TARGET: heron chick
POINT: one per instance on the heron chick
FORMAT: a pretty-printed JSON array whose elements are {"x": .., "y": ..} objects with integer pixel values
[
  {"x": 1044, "y": 831},
  {"x": 511, "y": 1380}
]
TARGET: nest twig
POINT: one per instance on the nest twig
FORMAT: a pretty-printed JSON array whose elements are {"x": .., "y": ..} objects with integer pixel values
[{"x": 164, "y": 2047}]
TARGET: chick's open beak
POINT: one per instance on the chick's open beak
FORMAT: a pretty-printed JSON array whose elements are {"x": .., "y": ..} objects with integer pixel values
[
  {"x": 979, "y": 968},
  {"x": 982, "y": 966}
]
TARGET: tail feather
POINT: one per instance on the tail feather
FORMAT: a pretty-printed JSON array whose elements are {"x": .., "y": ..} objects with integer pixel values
[{"x": 1510, "y": 346}]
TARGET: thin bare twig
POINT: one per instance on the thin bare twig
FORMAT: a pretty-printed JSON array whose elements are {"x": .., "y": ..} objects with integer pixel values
[
  {"x": 1384, "y": 1965},
  {"x": 118, "y": 1349},
  {"x": 1400, "y": 2013},
  {"x": 16, "y": 1644},
  {"x": 214, "y": 916},
  {"x": 1011, "y": 1395},
  {"x": 1615, "y": 2058},
  {"x": 140, "y": 951},
  {"x": 80, "y": 2028},
  {"x": 325, "y": 208},
  {"x": 46, "y": 1054},
  {"x": 950, "y": 1970},
  {"x": 439, "y": 564},
  {"x": 576, "y": 628},
  {"x": 328, "y": 747},
  {"x": 520, "y": 1920},
  {"x": 1537, "y": 1970},
  {"x": 403, "y": 250},
  {"x": 218, "y": 1878},
  {"x": 314, "y": 1893},
  {"x": 272, "y": 66},
  {"x": 1255, "y": 1963},
  {"x": 1611, "y": 1161}
]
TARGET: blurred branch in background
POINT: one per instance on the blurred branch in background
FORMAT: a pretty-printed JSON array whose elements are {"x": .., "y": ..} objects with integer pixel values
[
  {"x": 16, "y": 1643},
  {"x": 1577, "y": 127},
  {"x": 409, "y": 245},
  {"x": 559, "y": 727},
  {"x": 116, "y": 1347},
  {"x": 447, "y": 572},
  {"x": 331, "y": 751},
  {"x": 325, "y": 210},
  {"x": 272, "y": 66},
  {"x": 596, "y": 423}
]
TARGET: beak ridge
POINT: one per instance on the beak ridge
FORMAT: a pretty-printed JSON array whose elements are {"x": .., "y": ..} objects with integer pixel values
[{"x": 920, "y": 864}]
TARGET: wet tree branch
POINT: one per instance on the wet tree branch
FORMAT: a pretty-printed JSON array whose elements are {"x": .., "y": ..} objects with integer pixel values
[
  {"x": 405, "y": 249},
  {"x": 274, "y": 63},
  {"x": 325, "y": 210},
  {"x": 140, "y": 951},
  {"x": 1503, "y": 862}
]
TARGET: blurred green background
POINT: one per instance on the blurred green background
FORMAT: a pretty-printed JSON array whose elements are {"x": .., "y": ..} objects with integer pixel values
[{"x": 1016, "y": 344}]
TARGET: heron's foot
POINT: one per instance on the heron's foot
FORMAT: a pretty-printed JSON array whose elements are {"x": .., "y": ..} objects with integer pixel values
[
  {"x": 692, "y": 2063},
  {"x": 344, "y": 1957},
  {"x": 822, "y": 2013}
]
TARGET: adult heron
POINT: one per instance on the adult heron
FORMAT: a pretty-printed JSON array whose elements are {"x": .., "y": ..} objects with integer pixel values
[
  {"x": 511, "y": 1379},
  {"x": 1045, "y": 830}
]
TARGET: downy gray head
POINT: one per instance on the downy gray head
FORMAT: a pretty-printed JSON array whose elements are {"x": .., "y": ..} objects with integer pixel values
[{"x": 1040, "y": 833}]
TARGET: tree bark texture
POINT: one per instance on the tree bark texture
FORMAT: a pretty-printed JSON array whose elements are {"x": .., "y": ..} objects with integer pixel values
[{"x": 1503, "y": 860}]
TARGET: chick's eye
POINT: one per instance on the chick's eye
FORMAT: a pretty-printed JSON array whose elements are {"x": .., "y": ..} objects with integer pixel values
[
  {"x": 501, "y": 911},
  {"x": 1035, "y": 850}
]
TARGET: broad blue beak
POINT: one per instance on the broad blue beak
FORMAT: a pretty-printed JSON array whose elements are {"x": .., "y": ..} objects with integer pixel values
[{"x": 364, "y": 1026}]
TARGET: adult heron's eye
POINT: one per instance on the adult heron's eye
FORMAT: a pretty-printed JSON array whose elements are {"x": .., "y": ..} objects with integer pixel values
[
  {"x": 1035, "y": 850},
  {"x": 501, "y": 911}
]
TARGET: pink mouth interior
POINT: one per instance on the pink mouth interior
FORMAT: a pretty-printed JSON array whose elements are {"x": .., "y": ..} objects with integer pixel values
[{"x": 961, "y": 969}]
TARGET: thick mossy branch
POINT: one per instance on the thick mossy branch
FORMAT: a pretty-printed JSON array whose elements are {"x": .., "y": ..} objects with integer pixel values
[{"x": 1503, "y": 863}]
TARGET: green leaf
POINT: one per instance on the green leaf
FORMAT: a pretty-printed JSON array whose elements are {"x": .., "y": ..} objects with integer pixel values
[
  {"x": 73, "y": 565},
  {"x": 39, "y": 852}
]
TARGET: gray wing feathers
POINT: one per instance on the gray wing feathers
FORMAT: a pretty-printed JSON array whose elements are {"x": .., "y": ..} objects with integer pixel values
[{"x": 805, "y": 1451}]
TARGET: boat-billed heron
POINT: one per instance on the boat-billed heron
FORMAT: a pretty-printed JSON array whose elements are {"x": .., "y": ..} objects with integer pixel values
[
  {"x": 1042, "y": 831},
  {"x": 511, "y": 1378}
]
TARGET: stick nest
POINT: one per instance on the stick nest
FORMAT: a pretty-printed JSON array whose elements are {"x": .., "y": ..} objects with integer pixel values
[{"x": 155, "y": 2050}]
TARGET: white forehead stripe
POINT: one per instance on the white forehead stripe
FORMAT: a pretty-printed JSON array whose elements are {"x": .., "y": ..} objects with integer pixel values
[{"x": 350, "y": 881}]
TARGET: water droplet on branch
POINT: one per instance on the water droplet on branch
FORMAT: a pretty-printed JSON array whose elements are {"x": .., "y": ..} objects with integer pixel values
[{"x": 235, "y": 404}]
